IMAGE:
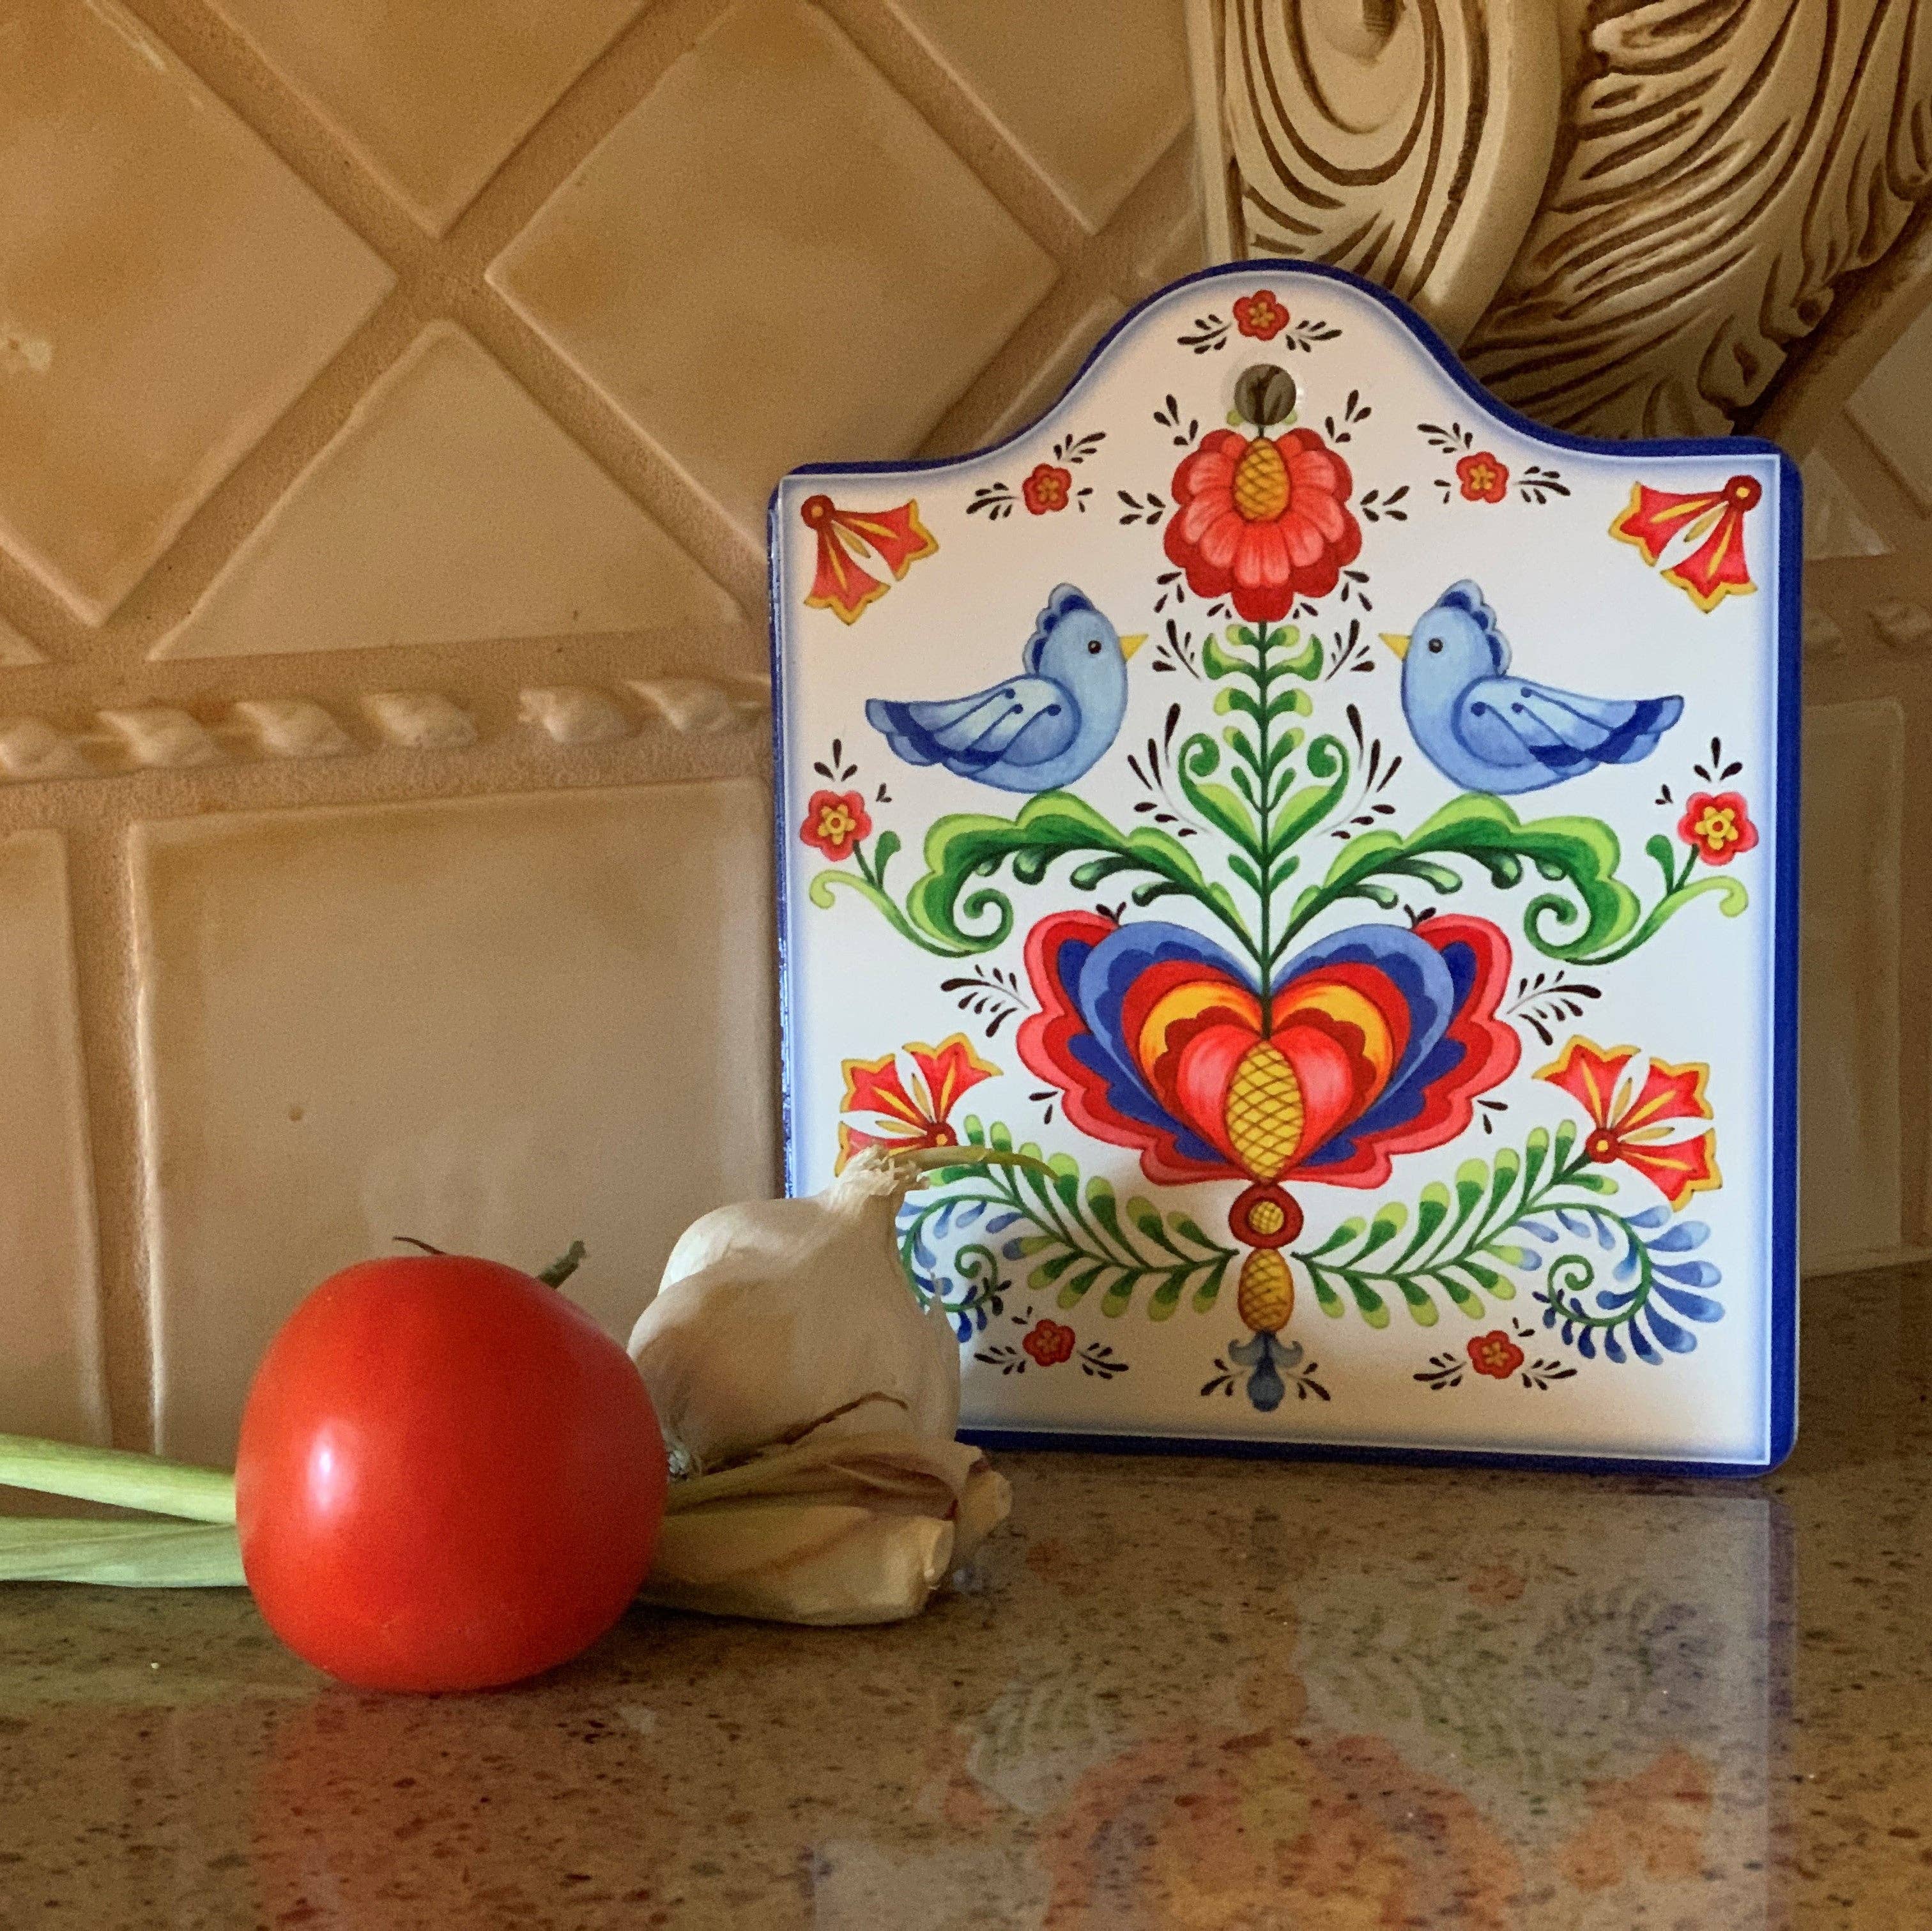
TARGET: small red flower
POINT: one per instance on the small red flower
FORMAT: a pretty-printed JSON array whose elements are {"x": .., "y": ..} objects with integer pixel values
[
  {"x": 1494, "y": 1354},
  {"x": 1047, "y": 488},
  {"x": 1484, "y": 480},
  {"x": 1718, "y": 824},
  {"x": 1260, "y": 315},
  {"x": 1263, "y": 519},
  {"x": 835, "y": 821},
  {"x": 911, "y": 1114},
  {"x": 1630, "y": 1129},
  {"x": 1049, "y": 1343}
]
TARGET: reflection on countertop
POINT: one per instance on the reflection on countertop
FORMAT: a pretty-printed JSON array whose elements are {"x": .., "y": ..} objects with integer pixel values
[{"x": 1223, "y": 1695}]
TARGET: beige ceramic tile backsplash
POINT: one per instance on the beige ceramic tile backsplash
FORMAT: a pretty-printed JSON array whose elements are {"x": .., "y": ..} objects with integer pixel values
[
  {"x": 497, "y": 1024},
  {"x": 1893, "y": 409},
  {"x": 1025, "y": 58},
  {"x": 50, "y": 1359},
  {"x": 429, "y": 95},
  {"x": 773, "y": 258},
  {"x": 389, "y": 392},
  {"x": 167, "y": 287},
  {"x": 448, "y": 509}
]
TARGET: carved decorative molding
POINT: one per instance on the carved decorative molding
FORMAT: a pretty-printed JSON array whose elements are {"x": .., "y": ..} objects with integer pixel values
[
  {"x": 160, "y": 737},
  {"x": 1406, "y": 139},
  {"x": 1640, "y": 206}
]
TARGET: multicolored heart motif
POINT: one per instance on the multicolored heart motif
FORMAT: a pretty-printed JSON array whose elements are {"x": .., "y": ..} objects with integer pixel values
[{"x": 1376, "y": 1041}]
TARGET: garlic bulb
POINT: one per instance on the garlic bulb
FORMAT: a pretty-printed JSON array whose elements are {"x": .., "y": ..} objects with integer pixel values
[
  {"x": 786, "y": 1356},
  {"x": 776, "y": 1318}
]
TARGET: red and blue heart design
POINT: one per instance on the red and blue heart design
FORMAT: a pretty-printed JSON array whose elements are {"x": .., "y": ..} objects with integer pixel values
[{"x": 1375, "y": 1041}]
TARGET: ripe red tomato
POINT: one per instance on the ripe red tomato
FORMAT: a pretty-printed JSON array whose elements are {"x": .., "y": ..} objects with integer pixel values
[{"x": 449, "y": 1477}]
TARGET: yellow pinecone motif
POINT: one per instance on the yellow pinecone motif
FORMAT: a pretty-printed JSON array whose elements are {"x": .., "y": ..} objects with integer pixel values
[
  {"x": 1265, "y": 1111},
  {"x": 1267, "y": 1298},
  {"x": 1260, "y": 482}
]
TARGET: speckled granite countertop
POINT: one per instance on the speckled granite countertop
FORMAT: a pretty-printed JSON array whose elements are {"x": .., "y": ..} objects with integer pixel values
[{"x": 1223, "y": 1696}]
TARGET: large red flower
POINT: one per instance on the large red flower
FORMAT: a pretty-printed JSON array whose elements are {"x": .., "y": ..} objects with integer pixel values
[
  {"x": 1264, "y": 519},
  {"x": 1630, "y": 1130},
  {"x": 917, "y": 1116}
]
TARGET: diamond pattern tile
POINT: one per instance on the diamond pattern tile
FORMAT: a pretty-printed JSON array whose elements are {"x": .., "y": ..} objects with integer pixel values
[
  {"x": 497, "y": 1024},
  {"x": 14, "y": 649},
  {"x": 1092, "y": 91},
  {"x": 50, "y": 1358},
  {"x": 167, "y": 287},
  {"x": 1835, "y": 526},
  {"x": 431, "y": 97},
  {"x": 1893, "y": 406},
  {"x": 772, "y": 258},
  {"x": 449, "y": 507}
]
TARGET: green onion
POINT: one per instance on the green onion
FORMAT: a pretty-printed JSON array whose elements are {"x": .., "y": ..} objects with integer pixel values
[
  {"x": 135, "y": 1555},
  {"x": 115, "y": 1475},
  {"x": 180, "y": 1554}
]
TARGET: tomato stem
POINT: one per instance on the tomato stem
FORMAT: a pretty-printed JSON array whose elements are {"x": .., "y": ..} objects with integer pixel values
[
  {"x": 410, "y": 1240},
  {"x": 560, "y": 1270}
]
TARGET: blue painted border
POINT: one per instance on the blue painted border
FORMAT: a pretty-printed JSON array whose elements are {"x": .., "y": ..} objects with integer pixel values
[{"x": 1782, "y": 1391}]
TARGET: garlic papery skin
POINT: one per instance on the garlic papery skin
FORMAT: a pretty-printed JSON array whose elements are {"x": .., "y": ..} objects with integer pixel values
[{"x": 778, "y": 1319}]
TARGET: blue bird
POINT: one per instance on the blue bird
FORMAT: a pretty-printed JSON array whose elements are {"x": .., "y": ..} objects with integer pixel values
[
  {"x": 1487, "y": 730},
  {"x": 1035, "y": 731}
]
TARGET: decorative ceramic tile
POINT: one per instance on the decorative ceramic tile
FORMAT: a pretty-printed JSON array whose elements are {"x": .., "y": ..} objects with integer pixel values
[
  {"x": 449, "y": 507},
  {"x": 497, "y": 1025},
  {"x": 1059, "y": 369},
  {"x": 1094, "y": 91},
  {"x": 1396, "y": 957},
  {"x": 429, "y": 97},
  {"x": 772, "y": 256},
  {"x": 1834, "y": 526},
  {"x": 14, "y": 649},
  {"x": 49, "y": 1361},
  {"x": 1893, "y": 406},
  {"x": 1902, "y": 625},
  {"x": 1854, "y": 794},
  {"x": 170, "y": 288}
]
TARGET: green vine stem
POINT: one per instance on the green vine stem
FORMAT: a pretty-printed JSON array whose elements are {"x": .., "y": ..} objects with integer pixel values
[
  {"x": 1459, "y": 1245},
  {"x": 1081, "y": 1238}
]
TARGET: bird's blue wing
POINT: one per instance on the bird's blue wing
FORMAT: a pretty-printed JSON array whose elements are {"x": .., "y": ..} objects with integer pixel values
[
  {"x": 1513, "y": 724},
  {"x": 1024, "y": 721}
]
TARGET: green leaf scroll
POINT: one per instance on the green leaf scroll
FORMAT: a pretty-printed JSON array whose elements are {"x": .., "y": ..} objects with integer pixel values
[{"x": 1580, "y": 853}]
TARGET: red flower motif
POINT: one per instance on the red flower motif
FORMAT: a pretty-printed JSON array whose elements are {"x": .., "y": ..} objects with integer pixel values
[
  {"x": 1049, "y": 1343},
  {"x": 1706, "y": 527},
  {"x": 1484, "y": 479},
  {"x": 1263, "y": 517},
  {"x": 1718, "y": 824},
  {"x": 1494, "y": 1354},
  {"x": 1628, "y": 1129},
  {"x": 849, "y": 539},
  {"x": 1260, "y": 315},
  {"x": 1047, "y": 488},
  {"x": 914, "y": 1117},
  {"x": 835, "y": 821}
]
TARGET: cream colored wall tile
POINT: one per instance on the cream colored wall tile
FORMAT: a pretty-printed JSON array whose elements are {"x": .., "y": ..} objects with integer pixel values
[
  {"x": 166, "y": 288},
  {"x": 1049, "y": 381},
  {"x": 496, "y": 1025},
  {"x": 773, "y": 258},
  {"x": 1893, "y": 406},
  {"x": 14, "y": 649},
  {"x": 1092, "y": 90},
  {"x": 50, "y": 1351},
  {"x": 430, "y": 96},
  {"x": 1849, "y": 1093},
  {"x": 449, "y": 506},
  {"x": 1834, "y": 526}
]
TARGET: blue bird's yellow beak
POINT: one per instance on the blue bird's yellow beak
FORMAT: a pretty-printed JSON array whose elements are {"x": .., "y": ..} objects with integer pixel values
[
  {"x": 1128, "y": 645},
  {"x": 1398, "y": 643}
]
